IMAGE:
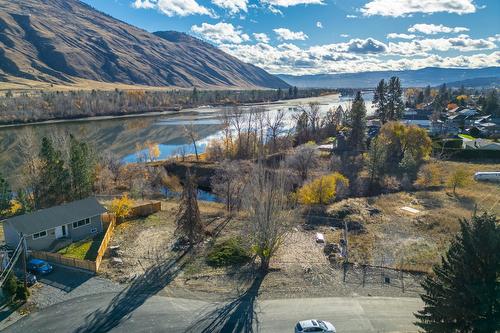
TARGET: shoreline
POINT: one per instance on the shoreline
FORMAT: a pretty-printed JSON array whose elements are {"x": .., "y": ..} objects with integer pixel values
[{"x": 148, "y": 113}]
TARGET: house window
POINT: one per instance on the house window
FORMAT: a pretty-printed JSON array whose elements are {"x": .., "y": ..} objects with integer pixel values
[
  {"x": 40, "y": 234},
  {"x": 81, "y": 223}
]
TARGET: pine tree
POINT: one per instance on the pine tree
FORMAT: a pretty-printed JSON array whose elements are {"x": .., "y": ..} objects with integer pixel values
[
  {"x": 5, "y": 195},
  {"x": 463, "y": 294},
  {"x": 357, "y": 135},
  {"x": 380, "y": 101},
  {"x": 82, "y": 168},
  {"x": 55, "y": 179},
  {"x": 395, "y": 105},
  {"x": 295, "y": 91},
  {"x": 188, "y": 217}
]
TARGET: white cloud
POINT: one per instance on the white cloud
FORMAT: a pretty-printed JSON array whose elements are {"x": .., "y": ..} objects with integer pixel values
[
  {"x": 220, "y": 33},
  {"x": 351, "y": 16},
  {"x": 432, "y": 29},
  {"x": 394, "y": 35},
  {"x": 261, "y": 37},
  {"x": 319, "y": 25},
  {"x": 408, "y": 7},
  {"x": 290, "y": 3},
  {"x": 461, "y": 43},
  {"x": 174, "y": 7},
  {"x": 344, "y": 35},
  {"x": 287, "y": 34},
  {"x": 232, "y": 6},
  {"x": 366, "y": 46}
]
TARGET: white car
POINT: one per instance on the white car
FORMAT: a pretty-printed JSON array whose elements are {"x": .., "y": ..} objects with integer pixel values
[{"x": 314, "y": 325}]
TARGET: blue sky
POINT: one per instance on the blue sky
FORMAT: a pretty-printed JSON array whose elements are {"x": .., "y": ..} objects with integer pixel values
[{"x": 330, "y": 36}]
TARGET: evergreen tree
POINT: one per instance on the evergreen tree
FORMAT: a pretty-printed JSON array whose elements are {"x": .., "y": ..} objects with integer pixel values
[
  {"x": 55, "y": 179},
  {"x": 290, "y": 92},
  {"x": 357, "y": 135},
  {"x": 5, "y": 195},
  {"x": 490, "y": 104},
  {"x": 25, "y": 200},
  {"x": 295, "y": 92},
  {"x": 395, "y": 105},
  {"x": 380, "y": 101},
  {"x": 427, "y": 94},
  {"x": 463, "y": 294},
  {"x": 279, "y": 93},
  {"x": 82, "y": 167},
  {"x": 188, "y": 217},
  {"x": 420, "y": 97}
]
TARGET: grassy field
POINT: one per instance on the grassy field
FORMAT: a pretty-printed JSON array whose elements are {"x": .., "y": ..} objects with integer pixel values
[
  {"x": 85, "y": 249},
  {"x": 395, "y": 237}
]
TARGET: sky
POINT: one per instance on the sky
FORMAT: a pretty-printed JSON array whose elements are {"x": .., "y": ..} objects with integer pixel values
[{"x": 330, "y": 36}]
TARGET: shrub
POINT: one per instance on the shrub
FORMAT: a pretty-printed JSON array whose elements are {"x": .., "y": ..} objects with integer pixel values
[
  {"x": 228, "y": 253},
  {"x": 430, "y": 175},
  {"x": 22, "y": 293},
  {"x": 323, "y": 190},
  {"x": 121, "y": 207}
]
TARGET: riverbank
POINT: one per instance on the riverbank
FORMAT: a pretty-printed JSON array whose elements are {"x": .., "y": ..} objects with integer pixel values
[{"x": 169, "y": 111}]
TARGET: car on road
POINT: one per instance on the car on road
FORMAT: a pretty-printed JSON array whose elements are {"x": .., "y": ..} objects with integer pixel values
[
  {"x": 39, "y": 266},
  {"x": 314, "y": 325}
]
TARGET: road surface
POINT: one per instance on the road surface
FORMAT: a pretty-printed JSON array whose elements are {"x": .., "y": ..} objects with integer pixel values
[{"x": 122, "y": 312}]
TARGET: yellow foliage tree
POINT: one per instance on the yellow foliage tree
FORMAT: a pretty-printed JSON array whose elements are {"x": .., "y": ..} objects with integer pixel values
[
  {"x": 121, "y": 207},
  {"x": 322, "y": 190},
  {"x": 459, "y": 178}
]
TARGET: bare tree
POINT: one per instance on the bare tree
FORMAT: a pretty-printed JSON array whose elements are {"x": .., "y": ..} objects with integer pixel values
[
  {"x": 266, "y": 200},
  {"x": 303, "y": 159},
  {"x": 229, "y": 182},
  {"x": 188, "y": 217},
  {"x": 275, "y": 125},
  {"x": 192, "y": 135}
]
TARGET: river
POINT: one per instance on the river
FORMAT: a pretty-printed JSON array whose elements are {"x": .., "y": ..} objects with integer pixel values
[{"x": 123, "y": 135}]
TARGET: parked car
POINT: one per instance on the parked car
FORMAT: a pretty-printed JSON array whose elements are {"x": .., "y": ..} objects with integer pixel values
[
  {"x": 314, "y": 325},
  {"x": 30, "y": 279},
  {"x": 39, "y": 266}
]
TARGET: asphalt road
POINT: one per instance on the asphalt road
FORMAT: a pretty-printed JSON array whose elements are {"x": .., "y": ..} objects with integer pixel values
[{"x": 122, "y": 312}]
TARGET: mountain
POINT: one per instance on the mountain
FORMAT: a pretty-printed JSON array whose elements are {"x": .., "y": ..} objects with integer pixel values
[
  {"x": 61, "y": 41},
  {"x": 410, "y": 78},
  {"x": 479, "y": 82}
]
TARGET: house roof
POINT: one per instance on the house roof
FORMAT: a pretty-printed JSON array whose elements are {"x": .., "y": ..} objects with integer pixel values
[{"x": 56, "y": 216}]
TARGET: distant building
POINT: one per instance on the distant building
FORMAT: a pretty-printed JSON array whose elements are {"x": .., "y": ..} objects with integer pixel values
[{"x": 480, "y": 144}]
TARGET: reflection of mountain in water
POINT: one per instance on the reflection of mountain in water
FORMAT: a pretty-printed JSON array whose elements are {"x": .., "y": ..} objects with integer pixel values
[{"x": 120, "y": 136}]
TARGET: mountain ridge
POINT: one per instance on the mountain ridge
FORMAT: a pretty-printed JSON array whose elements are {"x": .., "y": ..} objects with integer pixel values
[
  {"x": 59, "y": 41},
  {"x": 421, "y": 77}
]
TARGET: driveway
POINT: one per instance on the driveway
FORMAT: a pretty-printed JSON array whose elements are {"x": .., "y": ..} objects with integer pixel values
[{"x": 104, "y": 312}]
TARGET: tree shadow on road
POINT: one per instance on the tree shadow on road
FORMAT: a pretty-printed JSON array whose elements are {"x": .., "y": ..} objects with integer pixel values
[
  {"x": 154, "y": 279},
  {"x": 236, "y": 316}
]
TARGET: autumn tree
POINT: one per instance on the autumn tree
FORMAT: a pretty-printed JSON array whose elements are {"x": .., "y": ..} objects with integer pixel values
[
  {"x": 121, "y": 207},
  {"x": 323, "y": 190},
  {"x": 191, "y": 133},
  {"x": 462, "y": 294},
  {"x": 357, "y": 134},
  {"x": 429, "y": 175},
  {"x": 400, "y": 139},
  {"x": 188, "y": 216},
  {"x": 267, "y": 203},
  {"x": 458, "y": 178},
  {"x": 375, "y": 161}
]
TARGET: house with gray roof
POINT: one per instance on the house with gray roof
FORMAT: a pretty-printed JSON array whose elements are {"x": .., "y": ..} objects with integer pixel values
[{"x": 45, "y": 228}]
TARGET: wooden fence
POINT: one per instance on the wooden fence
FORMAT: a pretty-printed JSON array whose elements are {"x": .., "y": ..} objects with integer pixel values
[
  {"x": 146, "y": 209},
  {"x": 89, "y": 265},
  {"x": 105, "y": 241},
  {"x": 60, "y": 259}
]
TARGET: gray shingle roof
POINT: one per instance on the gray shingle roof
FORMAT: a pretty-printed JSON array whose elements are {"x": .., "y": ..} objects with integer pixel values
[{"x": 55, "y": 216}]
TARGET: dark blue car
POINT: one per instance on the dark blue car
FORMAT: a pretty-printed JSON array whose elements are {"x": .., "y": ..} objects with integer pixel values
[{"x": 39, "y": 266}]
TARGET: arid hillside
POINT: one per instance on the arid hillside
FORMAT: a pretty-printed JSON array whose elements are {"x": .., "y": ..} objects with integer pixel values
[{"x": 64, "y": 41}]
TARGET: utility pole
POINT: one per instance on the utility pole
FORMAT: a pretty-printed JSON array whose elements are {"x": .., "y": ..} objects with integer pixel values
[{"x": 24, "y": 254}]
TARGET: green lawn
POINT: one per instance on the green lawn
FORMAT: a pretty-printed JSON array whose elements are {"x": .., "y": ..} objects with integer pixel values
[
  {"x": 466, "y": 136},
  {"x": 84, "y": 249}
]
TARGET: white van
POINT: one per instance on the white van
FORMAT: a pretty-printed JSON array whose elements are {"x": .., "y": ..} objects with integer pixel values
[{"x": 493, "y": 176}]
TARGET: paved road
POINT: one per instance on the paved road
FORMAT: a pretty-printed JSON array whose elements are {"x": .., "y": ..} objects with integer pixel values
[{"x": 119, "y": 312}]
